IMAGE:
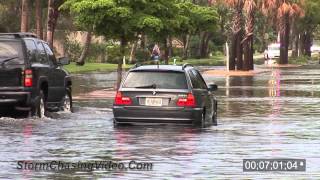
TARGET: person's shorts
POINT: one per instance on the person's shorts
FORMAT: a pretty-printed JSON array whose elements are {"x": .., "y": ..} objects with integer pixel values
[{"x": 156, "y": 58}]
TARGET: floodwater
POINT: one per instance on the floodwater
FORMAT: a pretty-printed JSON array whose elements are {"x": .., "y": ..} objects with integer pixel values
[{"x": 275, "y": 114}]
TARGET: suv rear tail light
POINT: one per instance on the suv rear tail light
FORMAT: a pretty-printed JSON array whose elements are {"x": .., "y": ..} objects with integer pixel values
[
  {"x": 189, "y": 101},
  {"x": 28, "y": 78},
  {"x": 121, "y": 100}
]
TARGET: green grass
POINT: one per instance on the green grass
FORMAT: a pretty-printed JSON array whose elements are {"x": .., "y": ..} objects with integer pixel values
[{"x": 91, "y": 67}]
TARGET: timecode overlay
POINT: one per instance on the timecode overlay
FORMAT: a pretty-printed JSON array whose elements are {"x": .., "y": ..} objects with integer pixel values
[{"x": 253, "y": 165}]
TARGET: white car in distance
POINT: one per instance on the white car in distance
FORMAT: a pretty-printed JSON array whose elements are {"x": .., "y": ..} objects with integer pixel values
[{"x": 272, "y": 52}]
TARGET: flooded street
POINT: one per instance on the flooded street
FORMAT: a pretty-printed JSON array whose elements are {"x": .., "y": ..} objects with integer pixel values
[{"x": 275, "y": 114}]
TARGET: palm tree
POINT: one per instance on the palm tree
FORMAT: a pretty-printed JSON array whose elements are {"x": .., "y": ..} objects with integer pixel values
[
  {"x": 25, "y": 16},
  {"x": 285, "y": 10}
]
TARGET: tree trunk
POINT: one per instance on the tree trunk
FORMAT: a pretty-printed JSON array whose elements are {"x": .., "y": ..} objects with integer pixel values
[
  {"x": 123, "y": 43},
  {"x": 205, "y": 48},
  {"x": 302, "y": 44},
  {"x": 246, "y": 63},
  {"x": 236, "y": 48},
  {"x": 248, "y": 40},
  {"x": 201, "y": 40},
  {"x": 186, "y": 40},
  {"x": 85, "y": 51},
  {"x": 295, "y": 44},
  {"x": 166, "y": 51},
  {"x": 284, "y": 39},
  {"x": 133, "y": 51},
  {"x": 143, "y": 41},
  {"x": 170, "y": 47},
  {"x": 53, "y": 14},
  {"x": 39, "y": 29},
  {"x": 308, "y": 44},
  {"x": 25, "y": 16},
  {"x": 239, "y": 51},
  {"x": 233, "y": 50}
]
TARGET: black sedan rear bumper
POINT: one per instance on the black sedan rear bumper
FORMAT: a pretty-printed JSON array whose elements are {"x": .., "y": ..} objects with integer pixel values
[{"x": 144, "y": 114}]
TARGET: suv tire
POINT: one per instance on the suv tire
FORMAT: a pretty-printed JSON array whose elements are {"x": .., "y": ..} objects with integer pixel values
[
  {"x": 215, "y": 115},
  {"x": 39, "y": 109},
  {"x": 67, "y": 101}
]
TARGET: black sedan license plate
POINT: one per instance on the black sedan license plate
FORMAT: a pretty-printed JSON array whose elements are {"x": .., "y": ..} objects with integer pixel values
[{"x": 153, "y": 101}]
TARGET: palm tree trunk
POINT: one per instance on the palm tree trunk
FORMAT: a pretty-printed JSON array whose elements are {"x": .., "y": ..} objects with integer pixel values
[
  {"x": 239, "y": 51},
  {"x": 53, "y": 14},
  {"x": 232, "y": 56},
  {"x": 39, "y": 29},
  {"x": 25, "y": 16},
  {"x": 236, "y": 47},
  {"x": 85, "y": 51},
  {"x": 295, "y": 41},
  {"x": 308, "y": 43},
  {"x": 248, "y": 40},
  {"x": 284, "y": 39}
]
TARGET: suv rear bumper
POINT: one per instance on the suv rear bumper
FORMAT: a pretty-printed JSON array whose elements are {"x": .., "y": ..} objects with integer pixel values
[
  {"x": 143, "y": 114},
  {"x": 23, "y": 98}
]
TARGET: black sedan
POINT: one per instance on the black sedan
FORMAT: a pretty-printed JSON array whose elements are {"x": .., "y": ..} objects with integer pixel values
[{"x": 165, "y": 94}]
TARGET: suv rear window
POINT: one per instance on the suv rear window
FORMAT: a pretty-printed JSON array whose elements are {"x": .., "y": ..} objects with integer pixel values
[
  {"x": 10, "y": 49},
  {"x": 158, "y": 80}
]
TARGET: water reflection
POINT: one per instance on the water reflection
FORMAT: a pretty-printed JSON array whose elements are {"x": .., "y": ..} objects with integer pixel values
[
  {"x": 176, "y": 141},
  {"x": 274, "y": 92}
]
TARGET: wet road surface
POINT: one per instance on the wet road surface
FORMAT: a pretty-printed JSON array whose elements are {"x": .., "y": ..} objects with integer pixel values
[{"x": 275, "y": 114}]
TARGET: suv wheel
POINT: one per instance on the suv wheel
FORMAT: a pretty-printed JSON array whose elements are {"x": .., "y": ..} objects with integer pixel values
[
  {"x": 214, "y": 119},
  {"x": 67, "y": 101},
  {"x": 40, "y": 108},
  {"x": 215, "y": 115},
  {"x": 202, "y": 119}
]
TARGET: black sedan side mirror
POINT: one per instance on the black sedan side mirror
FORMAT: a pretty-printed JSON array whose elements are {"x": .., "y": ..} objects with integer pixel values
[
  {"x": 213, "y": 87},
  {"x": 64, "y": 61}
]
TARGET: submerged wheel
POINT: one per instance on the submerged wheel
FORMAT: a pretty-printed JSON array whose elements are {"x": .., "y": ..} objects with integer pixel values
[
  {"x": 39, "y": 109},
  {"x": 215, "y": 115},
  {"x": 67, "y": 101},
  {"x": 203, "y": 119}
]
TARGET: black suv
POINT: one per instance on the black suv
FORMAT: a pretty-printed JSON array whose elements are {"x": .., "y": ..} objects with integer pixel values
[
  {"x": 31, "y": 78},
  {"x": 165, "y": 94}
]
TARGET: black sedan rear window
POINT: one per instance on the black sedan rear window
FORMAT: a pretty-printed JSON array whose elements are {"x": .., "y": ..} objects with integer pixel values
[{"x": 156, "y": 80}]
